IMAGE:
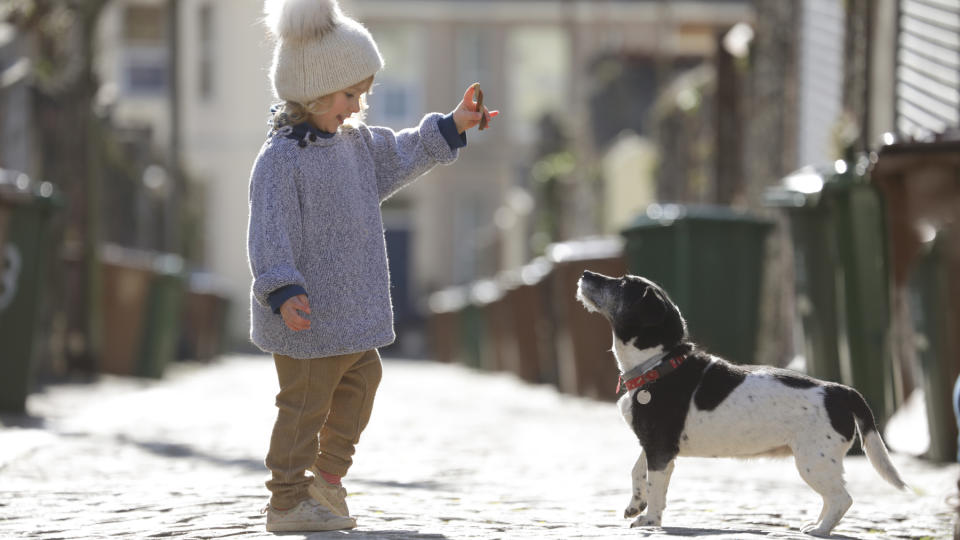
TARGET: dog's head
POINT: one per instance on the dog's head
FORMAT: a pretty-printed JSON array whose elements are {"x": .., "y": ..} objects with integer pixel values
[{"x": 637, "y": 309}]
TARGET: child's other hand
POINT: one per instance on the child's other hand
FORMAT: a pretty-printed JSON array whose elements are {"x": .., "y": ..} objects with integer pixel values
[
  {"x": 466, "y": 115},
  {"x": 290, "y": 312}
]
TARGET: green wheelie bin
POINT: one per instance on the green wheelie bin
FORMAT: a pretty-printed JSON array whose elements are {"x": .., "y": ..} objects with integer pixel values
[
  {"x": 710, "y": 261},
  {"x": 26, "y": 207},
  {"x": 161, "y": 336},
  {"x": 815, "y": 259},
  {"x": 843, "y": 294}
]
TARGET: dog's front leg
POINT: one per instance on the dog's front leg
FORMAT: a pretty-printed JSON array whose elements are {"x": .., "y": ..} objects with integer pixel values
[
  {"x": 657, "y": 482},
  {"x": 638, "y": 498}
]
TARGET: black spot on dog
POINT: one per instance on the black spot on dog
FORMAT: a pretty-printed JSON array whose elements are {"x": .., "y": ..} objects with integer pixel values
[
  {"x": 794, "y": 380},
  {"x": 645, "y": 315},
  {"x": 821, "y": 454},
  {"x": 718, "y": 382},
  {"x": 860, "y": 409},
  {"x": 836, "y": 399},
  {"x": 660, "y": 423}
]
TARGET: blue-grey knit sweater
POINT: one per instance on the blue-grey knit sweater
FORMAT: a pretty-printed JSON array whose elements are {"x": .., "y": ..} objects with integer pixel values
[{"x": 315, "y": 224}]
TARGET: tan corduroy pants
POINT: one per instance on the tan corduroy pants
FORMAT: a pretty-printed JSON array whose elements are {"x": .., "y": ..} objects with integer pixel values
[{"x": 323, "y": 406}]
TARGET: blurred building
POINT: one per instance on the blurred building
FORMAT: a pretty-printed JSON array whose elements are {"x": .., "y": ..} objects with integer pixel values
[
  {"x": 817, "y": 81},
  {"x": 16, "y": 141},
  {"x": 533, "y": 58}
]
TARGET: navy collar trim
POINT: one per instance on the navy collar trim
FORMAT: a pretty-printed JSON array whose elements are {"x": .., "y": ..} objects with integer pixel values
[{"x": 305, "y": 133}]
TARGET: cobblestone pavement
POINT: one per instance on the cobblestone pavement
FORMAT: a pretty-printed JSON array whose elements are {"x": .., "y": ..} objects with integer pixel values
[{"x": 450, "y": 453}]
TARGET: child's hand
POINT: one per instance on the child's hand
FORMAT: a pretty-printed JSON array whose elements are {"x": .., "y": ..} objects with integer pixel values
[
  {"x": 466, "y": 115},
  {"x": 290, "y": 312}
]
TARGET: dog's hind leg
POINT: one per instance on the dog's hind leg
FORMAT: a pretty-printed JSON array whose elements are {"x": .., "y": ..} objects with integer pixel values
[
  {"x": 657, "y": 483},
  {"x": 823, "y": 471},
  {"x": 638, "y": 499}
]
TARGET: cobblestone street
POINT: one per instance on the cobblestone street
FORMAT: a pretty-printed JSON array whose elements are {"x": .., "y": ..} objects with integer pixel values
[{"x": 449, "y": 453}]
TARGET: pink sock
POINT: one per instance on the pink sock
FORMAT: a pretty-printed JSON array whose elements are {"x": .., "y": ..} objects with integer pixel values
[{"x": 330, "y": 478}]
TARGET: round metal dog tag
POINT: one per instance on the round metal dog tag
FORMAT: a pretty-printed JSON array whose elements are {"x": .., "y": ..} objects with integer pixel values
[{"x": 643, "y": 397}]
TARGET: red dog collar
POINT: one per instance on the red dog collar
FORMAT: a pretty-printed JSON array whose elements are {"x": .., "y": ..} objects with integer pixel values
[{"x": 651, "y": 375}]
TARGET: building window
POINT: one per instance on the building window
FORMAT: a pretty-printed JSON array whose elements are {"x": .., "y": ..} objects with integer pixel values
[
  {"x": 396, "y": 100},
  {"x": 145, "y": 24},
  {"x": 145, "y": 58},
  {"x": 473, "y": 58},
  {"x": 927, "y": 76},
  {"x": 205, "y": 58},
  {"x": 540, "y": 59}
]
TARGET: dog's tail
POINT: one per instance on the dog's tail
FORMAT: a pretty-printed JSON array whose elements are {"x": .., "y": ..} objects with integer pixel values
[{"x": 872, "y": 443}]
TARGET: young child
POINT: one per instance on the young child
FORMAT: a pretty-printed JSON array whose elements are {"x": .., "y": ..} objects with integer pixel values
[{"x": 320, "y": 300}]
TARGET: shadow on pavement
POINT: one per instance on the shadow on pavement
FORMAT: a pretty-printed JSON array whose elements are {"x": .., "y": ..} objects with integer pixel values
[
  {"x": 360, "y": 535},
  {"x": 426, "y": 484},
  {"x": 168, "y": 449},
  {"x": 22, "y": 420},
  {"x": 692, "y": 532}
]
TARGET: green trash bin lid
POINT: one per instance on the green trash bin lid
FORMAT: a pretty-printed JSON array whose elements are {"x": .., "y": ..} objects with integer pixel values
[
  {"x": 665, "y": 215},
  {"x": 19, "y": 189},
  {"x": 168, "y": 265},
  {"x": 805, "y": 186},
  {"x": 595, "y": 247},
  {"x": 801, "y": 188},
  {"x": 449, "y": 300}
]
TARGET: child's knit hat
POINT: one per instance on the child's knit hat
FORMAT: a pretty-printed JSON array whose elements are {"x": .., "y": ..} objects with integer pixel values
[{"x": 319, "y": 50}]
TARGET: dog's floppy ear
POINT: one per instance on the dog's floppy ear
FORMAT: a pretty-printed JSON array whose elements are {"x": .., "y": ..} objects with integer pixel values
[{"x": 653, "y": 307}]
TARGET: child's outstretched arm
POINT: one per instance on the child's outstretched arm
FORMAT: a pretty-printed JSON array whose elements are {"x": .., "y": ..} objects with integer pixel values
[
  {"x": 466, "y": 115},
  {"x": 400, "y": 157}
]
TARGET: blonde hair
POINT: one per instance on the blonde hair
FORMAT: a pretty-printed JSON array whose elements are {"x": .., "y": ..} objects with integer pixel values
[{"x": 291, "y": 113}]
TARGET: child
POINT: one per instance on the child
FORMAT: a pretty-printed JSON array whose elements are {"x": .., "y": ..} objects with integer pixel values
[{"x": 320, "y": 300}]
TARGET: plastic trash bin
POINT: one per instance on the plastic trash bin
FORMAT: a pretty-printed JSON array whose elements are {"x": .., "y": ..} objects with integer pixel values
[
  {"x": 26, "y": 208},
  {"x": 710, "y": 261},
  {"x": 815, "y": 261},
  {"x": 583, "y": 340},
  {"x": 532, "y": 321},
  {"x": 203, "y": 323},
  {"x": 444, "y": 323},
  {"x": 840, "y": 236},
  {"x": 161, "y": 335},
  {"x": 919, "y": 184},
  {"x": 936, "y": 299},
  {"x": 127, "y": 278},
  {"x": 485, "y": 295}
]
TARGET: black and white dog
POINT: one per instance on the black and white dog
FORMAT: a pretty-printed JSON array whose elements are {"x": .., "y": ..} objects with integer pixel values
[{"x": 681, "y": 401}]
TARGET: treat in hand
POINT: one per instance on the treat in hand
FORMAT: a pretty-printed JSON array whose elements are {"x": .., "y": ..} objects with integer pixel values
[{"x": 483, "y": 117}]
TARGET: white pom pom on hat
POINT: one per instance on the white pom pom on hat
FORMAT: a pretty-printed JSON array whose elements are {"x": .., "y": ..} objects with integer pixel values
[
  {"x": 298, "y": 19},
  {"x": 319, "y": 50}
]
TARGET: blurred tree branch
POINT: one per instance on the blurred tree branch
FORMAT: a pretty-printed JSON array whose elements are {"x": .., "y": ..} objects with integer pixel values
[
  {"x": 60, "y": 37},
  {"x": 62, "y": 32}
]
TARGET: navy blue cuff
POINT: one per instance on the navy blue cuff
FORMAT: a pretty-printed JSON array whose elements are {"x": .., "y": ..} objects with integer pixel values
[
  {"x": 281, "y": 295},
  {"x": 448, "y": 128}
]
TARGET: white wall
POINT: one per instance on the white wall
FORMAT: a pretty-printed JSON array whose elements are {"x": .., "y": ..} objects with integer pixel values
[
  {"x": 129, "y": 108},
  {"x": 222, "y": 132},
  {"x": 821, "y": 80}
]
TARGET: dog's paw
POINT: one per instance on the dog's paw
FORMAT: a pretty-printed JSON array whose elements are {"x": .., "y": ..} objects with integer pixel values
[
  {"x": 814, "y": 529},
  {"x": 636, "y": 506},
  {"x": 645, "y": 521}
]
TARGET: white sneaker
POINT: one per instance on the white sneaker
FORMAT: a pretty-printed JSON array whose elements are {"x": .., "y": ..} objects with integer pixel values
[
  {"x": 309, "y": 515},
  {"x": 334, "y": 497}
]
